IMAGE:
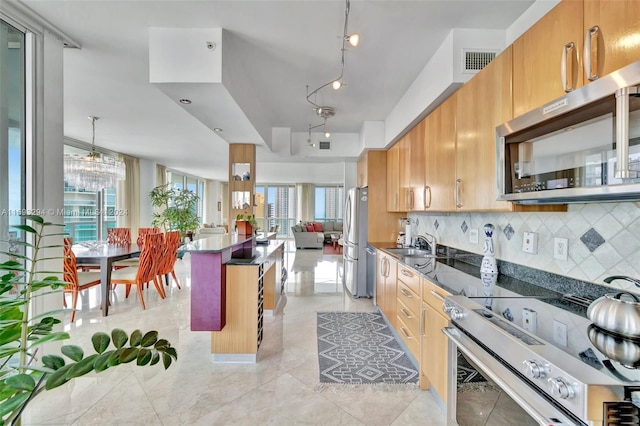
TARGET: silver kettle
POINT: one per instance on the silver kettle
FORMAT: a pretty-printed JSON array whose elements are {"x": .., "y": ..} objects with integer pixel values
[{"x": 617, "y": 312}]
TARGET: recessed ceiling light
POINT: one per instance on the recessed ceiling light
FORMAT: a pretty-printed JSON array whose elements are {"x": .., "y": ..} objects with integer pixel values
[
  {"x": 185, "y": 101},
  {"x": 217, "y": 129}
]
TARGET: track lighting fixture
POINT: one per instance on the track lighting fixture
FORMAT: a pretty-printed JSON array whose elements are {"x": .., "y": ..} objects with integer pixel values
[{"x": 337, "y": 83}]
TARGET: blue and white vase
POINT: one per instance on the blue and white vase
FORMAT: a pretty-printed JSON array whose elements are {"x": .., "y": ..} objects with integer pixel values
[{"x": 488, "y": 267}]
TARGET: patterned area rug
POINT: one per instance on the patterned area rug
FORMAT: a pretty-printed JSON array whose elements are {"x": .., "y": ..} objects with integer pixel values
[{"x": 359, "y": 348}]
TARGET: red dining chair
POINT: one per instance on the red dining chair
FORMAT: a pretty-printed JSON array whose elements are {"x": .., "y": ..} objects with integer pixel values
[
  {"x": 145, "y": 272},
  {"x": 77, "y": 281},
  {"x": 120, "y": 236},
  {"x": 134, "y": 261}
]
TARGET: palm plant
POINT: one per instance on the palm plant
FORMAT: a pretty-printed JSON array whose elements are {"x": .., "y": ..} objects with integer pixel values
[
  {"x": 22, "y": 333},
  {"x": 176, "y": 208}
]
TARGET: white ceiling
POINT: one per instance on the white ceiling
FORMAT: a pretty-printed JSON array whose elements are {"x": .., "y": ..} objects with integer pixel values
[{"x": 284, "y": 46}]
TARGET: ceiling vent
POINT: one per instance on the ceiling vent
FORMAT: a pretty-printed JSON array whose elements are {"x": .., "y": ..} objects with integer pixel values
[
  {"x": 324, "y": 144},
  {"x": 475, "y": 60}
]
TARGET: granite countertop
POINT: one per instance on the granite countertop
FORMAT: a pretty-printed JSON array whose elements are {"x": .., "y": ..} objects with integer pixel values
[
  {"x": 458, "y": 272},
  {"x": 216, "y": 243},
  {"x": 263, "y": 251}
]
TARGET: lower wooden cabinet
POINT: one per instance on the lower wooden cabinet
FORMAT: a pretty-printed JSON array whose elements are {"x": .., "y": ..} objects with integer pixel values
[{"x": 433, "y": 351}]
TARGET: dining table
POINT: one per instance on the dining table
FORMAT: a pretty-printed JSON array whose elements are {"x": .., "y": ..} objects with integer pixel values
[{"x": 104, "y": 255}]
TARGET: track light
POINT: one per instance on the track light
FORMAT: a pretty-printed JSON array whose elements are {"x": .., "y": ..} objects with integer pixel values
[
  {"x": 353, "y": 39},
  {"x": 337, "y": 84},
  {"x": 327, "y": 134}
]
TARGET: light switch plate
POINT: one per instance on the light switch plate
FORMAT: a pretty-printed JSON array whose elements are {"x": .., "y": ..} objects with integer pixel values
[
  {"x": 529, "y": 320},
  {"x": 473, "y": 236},
  {"x": 560, "y": 333},
  {"x": 530, "y": 242}
]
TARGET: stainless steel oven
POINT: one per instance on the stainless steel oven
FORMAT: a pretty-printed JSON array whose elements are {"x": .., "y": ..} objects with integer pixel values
[{"x": 503, "y": 374}]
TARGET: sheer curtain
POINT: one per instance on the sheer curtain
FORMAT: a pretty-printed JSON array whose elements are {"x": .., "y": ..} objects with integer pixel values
[
  {"x": 161, "y": 175},
  {"x": 306, "y": 201},
  {"x": 128, "y": 197}
]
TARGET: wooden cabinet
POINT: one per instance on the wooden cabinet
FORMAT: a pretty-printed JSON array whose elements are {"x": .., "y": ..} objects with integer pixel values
[
  {"x": 417, "y": 163},
  {"x": 404, "y": 146},
  {"x": 487, "y": 103},
  {"x": 616, "y": 42},
  {"x": 242, "y": 183},
  {"x": 434, "y": 351},
  {"x": 386, "y": 284},
  {"x": 537, "y": 57},
  {"x": 440, "y": 166},
  {"x": 433, "y": 342},
  {"x": 273, "y": 281},
  {"x": 408, "y": 310},
  {"x": 393, "y": 178},
  {"x": 382, "y": 225}
]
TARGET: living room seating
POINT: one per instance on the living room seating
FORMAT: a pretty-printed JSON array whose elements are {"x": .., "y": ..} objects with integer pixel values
[{"x": 314, "y": 234}]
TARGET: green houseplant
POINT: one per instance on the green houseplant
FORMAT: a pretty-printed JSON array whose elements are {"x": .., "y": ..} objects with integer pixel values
[
  {"x": 176, "y": 209},
  {"x": 22, "y": 334}
]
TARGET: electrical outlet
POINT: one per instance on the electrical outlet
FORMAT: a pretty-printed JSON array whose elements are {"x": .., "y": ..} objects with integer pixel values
[
  {"x": 530, "y": 242},
  {"x": 559, "y": 333},
  {"x": 560, "y": 248},
  {"x": 529, "y": 320},
  {"x": 473, "y": 236}
]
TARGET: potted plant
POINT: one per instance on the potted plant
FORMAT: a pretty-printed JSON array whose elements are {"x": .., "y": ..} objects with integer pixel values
[
  {"x": 22, "y": 334},
  {"x": 176, "y": 209},
  {"x": 245, "y": 224}
]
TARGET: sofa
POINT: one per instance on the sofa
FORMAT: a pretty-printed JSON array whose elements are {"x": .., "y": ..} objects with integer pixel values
[{"x": 314, "y": 234}]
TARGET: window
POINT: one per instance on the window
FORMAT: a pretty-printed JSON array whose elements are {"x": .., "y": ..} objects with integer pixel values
[
  {"x": 329, "y": 203},
  {"x": 196, "y": 185},
  {"x": 276, "y": 206},
  {"x": 12, "y": 131}
]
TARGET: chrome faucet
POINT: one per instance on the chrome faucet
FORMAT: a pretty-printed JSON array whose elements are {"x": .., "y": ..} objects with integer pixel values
[
  {"x": 428, "y": 240},
  {"x": 622, "y": 277}
]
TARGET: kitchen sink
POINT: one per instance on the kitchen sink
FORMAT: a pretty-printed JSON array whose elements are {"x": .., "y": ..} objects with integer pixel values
[{"x": 409, "y": 252}]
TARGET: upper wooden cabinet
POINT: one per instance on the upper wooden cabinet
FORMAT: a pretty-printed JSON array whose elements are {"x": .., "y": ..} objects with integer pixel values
[
  {"x": 610, "y": 28},
  {"x": 613, "y": 30},
  {"x": 393, "y": 178},
  {"x": 404, "y": 180},
  {"x": 440, "y": 167},
  {"x": 417, "y": 165},
  {"x": 538, "y": 54},
  {"x": 487, "y": 103}
]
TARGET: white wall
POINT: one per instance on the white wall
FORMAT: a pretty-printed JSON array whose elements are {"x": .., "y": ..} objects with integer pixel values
[
  {"x": 350, "y": 175},
  {"x": 528, "y": 18}
]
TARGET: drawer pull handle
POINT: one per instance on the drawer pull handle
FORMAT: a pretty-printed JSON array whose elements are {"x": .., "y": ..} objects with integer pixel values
[
  {"x": 405, "y": 313},
  {"x": 437, "y": 296},
  {"x": 405, "y": 333},
  {"x": 406, "y": 294},
  {"x": 422, "y": 332},
  {"x": 406, "y": 273}
]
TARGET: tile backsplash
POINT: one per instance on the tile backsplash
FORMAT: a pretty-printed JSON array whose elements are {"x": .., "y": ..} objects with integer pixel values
[{"x": 603, "y": 238}]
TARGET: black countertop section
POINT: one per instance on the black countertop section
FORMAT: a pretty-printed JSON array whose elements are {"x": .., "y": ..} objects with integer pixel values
[
  {"x": 456, "y": 270},
  {"x": 263, "y": 251}
]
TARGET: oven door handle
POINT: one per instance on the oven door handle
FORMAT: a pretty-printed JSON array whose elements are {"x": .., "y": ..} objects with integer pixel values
[{"x": 479, "y": 357}]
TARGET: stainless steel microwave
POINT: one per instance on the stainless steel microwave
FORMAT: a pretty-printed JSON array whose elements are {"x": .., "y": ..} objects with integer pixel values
[{"x": 582, "y": 147}]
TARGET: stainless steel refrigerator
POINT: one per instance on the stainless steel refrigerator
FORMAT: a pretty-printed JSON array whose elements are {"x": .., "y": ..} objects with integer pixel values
[{"x": 355, "y": 243}]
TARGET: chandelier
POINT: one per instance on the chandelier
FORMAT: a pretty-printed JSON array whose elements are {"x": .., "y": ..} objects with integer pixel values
[
  {"x": 93, "y": 172},
  {"x": 324, "y": 111}
]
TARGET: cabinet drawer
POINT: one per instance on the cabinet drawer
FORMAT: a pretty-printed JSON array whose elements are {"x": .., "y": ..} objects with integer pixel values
[
  {"x": 433, "y": 295},
  {"x": 410, "y": 277},
  {"x": 408, "y": 337},
  {"x": 408, "y": 297},
  {"x": 409, "y": 318}
]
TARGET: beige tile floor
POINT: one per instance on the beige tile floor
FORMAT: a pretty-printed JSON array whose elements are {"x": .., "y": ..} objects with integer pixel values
[{"x": 282, "y": 388}]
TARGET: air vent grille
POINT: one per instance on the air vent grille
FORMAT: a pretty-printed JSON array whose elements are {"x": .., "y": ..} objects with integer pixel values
[
  {"x": 475, "y": 61},
  {"x": 325, "y": 145}
]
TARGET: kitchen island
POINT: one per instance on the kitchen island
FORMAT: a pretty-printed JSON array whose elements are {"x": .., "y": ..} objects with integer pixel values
[
  {"x": 209, "y": 257},
  {"x": 234, "y": 284}
]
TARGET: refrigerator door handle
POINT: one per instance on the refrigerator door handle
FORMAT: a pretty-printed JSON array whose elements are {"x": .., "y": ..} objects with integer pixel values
[{"x": 349, "y": 258}]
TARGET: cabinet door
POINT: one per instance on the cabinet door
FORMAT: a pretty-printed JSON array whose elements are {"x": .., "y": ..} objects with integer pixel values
[
  {"x": 390, "y": 292},
  {"x": 487, "y": 103},
  {"x": 393, "y": 178},
  {"x": 404, "y": 167},
  {"x": 616, "y": 43},
  {"x": 433, "y": 351},
  {"x": 416, "y": 167},
  {"x": 440, "y": 135},
  {"x": 537, "y": 57}
]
